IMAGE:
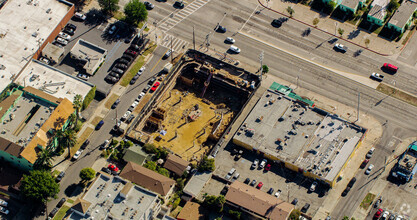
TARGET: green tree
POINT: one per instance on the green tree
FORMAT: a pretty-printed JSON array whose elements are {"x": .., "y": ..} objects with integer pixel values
[
  {"x": 66, "y": 139},
  {"x": 215, "y": 202},
  {"x": 265, "y": 69},
  {"x": 87, "y": 174},
  {"x": 393, "y": 5},
  {"x": 163, "y": 171},
  {"x": 290, "y": 11},
  {"x": 150, "y": 165},
  {"x": 161, "y": 153},
  {"x": 340, "y": 31},
  {"x": 345, "y": 218},
  {"x": 295, "y": 214},
  {"x": 367, "y": 41},
  {"x": 235, "y": 214},
  {"x": 149, "y": 148},
  {"x": 77, "y": 104},
  {"x": 44, "y": 161},
  {"x": 331, "y": 5},
  {"x": 135, "y": 12},
  {"x": 109, "y": 6},
  {"x": 180, "y": 183},
  {"x": 316, "y": 21},
  {"x": 206, "y": 165},
  {"x": 39, "y": 186}
]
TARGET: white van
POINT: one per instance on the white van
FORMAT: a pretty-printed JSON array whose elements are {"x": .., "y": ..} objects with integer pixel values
[{"x": 234, "y": 49}]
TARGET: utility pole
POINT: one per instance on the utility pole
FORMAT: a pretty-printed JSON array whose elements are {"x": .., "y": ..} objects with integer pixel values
[
  {"x": 193, "y": 38},
  {"x": 261, "y": 58},
  {"x": 171, "y": 50},
  {"x": 359, "y": 100}
]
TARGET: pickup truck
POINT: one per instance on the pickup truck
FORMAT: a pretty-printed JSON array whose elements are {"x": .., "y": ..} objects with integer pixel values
[{"x": 377, "y": 76}]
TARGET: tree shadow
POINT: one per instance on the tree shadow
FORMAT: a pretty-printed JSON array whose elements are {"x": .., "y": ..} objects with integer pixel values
[
  {"x": 74, "y": 190},
  {"x": 95, "y": 17},
  {"x": 354, "y": 34}
]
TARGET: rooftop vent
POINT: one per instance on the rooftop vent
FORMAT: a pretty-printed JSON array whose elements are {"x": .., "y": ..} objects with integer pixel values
[{"x": 49, "y": 11}]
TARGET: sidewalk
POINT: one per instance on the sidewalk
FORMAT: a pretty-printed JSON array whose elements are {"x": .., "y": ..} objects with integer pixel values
[{"x": 304, "y": 14}]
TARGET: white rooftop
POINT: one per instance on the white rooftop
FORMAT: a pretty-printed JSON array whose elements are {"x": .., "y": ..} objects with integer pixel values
[
  {"x": 52, "y": 81},
  {"x": 24, "y": 26}
]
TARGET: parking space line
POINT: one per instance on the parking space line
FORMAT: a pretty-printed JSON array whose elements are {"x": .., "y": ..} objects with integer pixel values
[{"x": 113, "y": 50}]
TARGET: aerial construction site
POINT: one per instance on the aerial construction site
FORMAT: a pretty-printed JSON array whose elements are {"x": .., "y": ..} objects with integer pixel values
[{"x": 200, "y": 98}]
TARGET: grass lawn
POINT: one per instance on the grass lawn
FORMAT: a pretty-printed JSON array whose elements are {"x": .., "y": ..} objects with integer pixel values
[
  {"x": 367, "y": 201},
  {"x": 150, "y": 49},
  {"x": 81, "y": 139},
  {"x": 61, "y": 213},
  {"x": 55, "y": 173},
  {"x": 96, "y": 120},
  {"x": 70, "y": 201},
  {"x": 399, "y": 94},
  {"x": 119, "y": 15},
  {"x": 132, "y": 72},
  {"x": 110, "y": 101}
]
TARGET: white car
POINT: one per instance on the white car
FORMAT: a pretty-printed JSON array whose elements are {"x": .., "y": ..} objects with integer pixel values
[
  {"x": 77, "y": 154},
  {"x": 124, "y": 117},
  {"x": 62, "y": 41},
  {"x": 82, "y": 76},
  {"x": 278, "y": 193},
  {"x": 135, "y": 103},
  {"x": 80, "y": 16},
  {"x": 368, "y": 171},
  {"x": 255, "y": 163},
  {"x": 3, "y": 203},
  {"x": 141, "y": 95},
  {"x": 234, "y": 49},
  {"x": 340, "y": 47},
  {"x": 141, "y": 71},
  {"x": 313, "y": 186},
  {"x": 230, "y": 40},
  {"x": 262, "y": 165},
  {"x": 64, "y": 36},
  {"x": 377, "y": 76},
  {"x": 399, "y": 217},
  {"x": 4, "y": 210},
  {"x": 385, "y": 215}
]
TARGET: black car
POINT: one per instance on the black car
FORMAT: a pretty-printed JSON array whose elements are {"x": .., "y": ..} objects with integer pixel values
[
  {"x": 127, "y": 57},
  {"x": 115, "y": 103},
  {"x": 146, "y": 89},
  {"x": 151, "y": 81},
  {"x": 123, "y": 61},
  {"x": 72, "y": 26},
  {"x": 351, "y": 182},
  {"x": 295, "y": 201},
  {"x": 85, "y": 144},
  {"x": 305, "y": 208},
  {"x": 346, "y": 191},
  {"x": 117, "y": 75},
  {"x": 121, "y": 66},
  {"x": 60, "y": 176},
  {"x": 276, "y": 23},
  {"x": 149, "y": 5},
  {"x": 253, "y": 183},
  {"x": 69, "y": 31},
  {"x": 117, "y": 70},
  {"x": 131, "y": 117},
  {"x": 106, "y": 170},
  {"x": 247, "y": 180},
  {"x": 220, "y": 29},
  {"x": 270, "y": 191},
  {"x": 136, "y": 77},
  {"x": 61, "y": 202},
  {"x": 179, "y": 4},
  {"x": 167, "y": 54},
  {"x": 134, "y": 47},
  {"x": 53, "y": 212}
]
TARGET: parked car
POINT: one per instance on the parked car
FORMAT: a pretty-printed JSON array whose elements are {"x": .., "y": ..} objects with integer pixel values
[
  {"x": 253, "y": 183},
  {"x": 259, "y": 186},
  {"x": 313, "y": 186},
  {"x": 131, "y": 52},
  {"x": 295, "y": 201},
  {"x": 121, "y": 66},
  {"x": 134, "y": 79},
  {"x": 61, "y": 41},
  {"x": 149, "y": 5},
  {"x": 111, "y": 79},
  {"x": 114, "y": 74},
  {"x": 255, "y": 163},
  {"x": 167, "y": 54},
  {"x": 247, "y": 180},
  {"x": 77, "y": 154},
  {"x": 71, "y": 26},
  {"x": 364, "y": 163},
  {"x": 378, "y": 214},
  {"x": 64, "y": 36},
  {"x": 179, "y": 4},
  {"x": 112, "y": 29},
  {"x": 140, "y": 96},
  {"x": 104, "y": 145},
  {"x": 268, "y": 167},
  {"x": 60, "y": 176},
  {"x": 131, "y": 117},
  {"x": 127, "y": 57},
  {"x": 117, "y": 70},
  {"x": 155, "y": 86},
  {"x": 99, "y": 125},
  {"x": 234, "y": 49},
  {"x": 152, "y": 80},
  {"x": 377, "y": 76},
  {"x": 378, "y": 202},
  {"x": 270, "y": 191},
  {"x": 115, "y": 103},
  {"x": 351, "y": 182},
  {"x": 370, "y": 153},
  {"x": 390, "y": 67},
  {"x": 69, "y": 31},
  {"x": 141, "y": 70},
  {"x": 346, "y": 191},
  {"x": 236, "y": 176},
  {"x": 123, "y": 61},
  {"x": 230, "y": 173},
  {"x": 85, "y": 144},
  {"x": 368, "y": 171},
  {"x": 263, "y": 163},
  {"x": 106, "y": 170},
  {"x": 61, "y": 202},
  {"x": 4, "y": 211},
  {"x": 113, "y": 168},
  {"x": 146, "y": 89},
  {"x": 340, "y": 47},
  {"x": 278, "y": 193},
  {"x": 305, "y": 208},
  {"x": 79, "y": 16},
  {"x": 53, "y": 212},
  {"x": 229, "y": 40},
  {"x": 83, "y": 76},
  {"x": 126, "y": 115},
  {"x": 3, "y": 203},
  {"x": 220, "y": 29}
]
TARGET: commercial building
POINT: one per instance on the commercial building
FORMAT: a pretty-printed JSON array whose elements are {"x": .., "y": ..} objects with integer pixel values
[
  {"x": 256, "y": 202},
  {"x": 288, "y": 129},
  {"x": 26, "y": 26},
  {"x": 195, "y": 185},
  {"x": 88, "y": 54},
  {"x": 111, "y": 197},
  {"x": 29, "y": 119},
  {"x": 406, "y": 167},
  {"x": 148, "y": 179}
]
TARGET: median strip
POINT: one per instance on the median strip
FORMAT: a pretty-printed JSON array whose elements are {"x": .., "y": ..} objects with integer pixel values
[{"x": 396, "y": 93}]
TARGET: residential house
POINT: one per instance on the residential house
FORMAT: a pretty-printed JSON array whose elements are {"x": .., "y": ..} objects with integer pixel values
[
  {"x": 135, "y": 154},
  {"x": 257, "y": 203},
  {"x": 402, "y": 17},
  {"x": 350, "y": 6},
  {"x": 377, "y": 12},
  {"x": 148, "y": 179},
  {"x": 176, "y": 164}
]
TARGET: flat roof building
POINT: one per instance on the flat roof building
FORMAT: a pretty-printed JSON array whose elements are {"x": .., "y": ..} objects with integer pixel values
[
  {"x": 196, "y": 185},
  {"x": 111, "y": 197},
  {"x": 257, "y": 203},
  {"x": 25, "y": 28},
  {"x": 307, "y": 139},
  {"x": 89, "y": 54},
  {"x": 53, "y": 52},
  {"x": 52, "y": 81}
]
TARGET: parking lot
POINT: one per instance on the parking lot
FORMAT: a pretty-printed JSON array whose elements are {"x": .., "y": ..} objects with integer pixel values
[
  {"x": 94, "y": 30},
  {"x": 291, "y": 184}
]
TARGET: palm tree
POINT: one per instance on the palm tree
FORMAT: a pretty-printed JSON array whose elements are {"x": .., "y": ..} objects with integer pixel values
[
  {"x": 44, "y": 160},
  {"x": 66, "y": 139},
  {"x": 77, "y": 103}
]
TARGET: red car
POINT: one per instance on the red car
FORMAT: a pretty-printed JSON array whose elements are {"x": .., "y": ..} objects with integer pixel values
[
  {"x": 259, "y": 186},
  {"x": 390, "y": 67},
  {"x": 131, "y": 52},
  {"x": 378, "y": 214},
  {"x": 267, "y": 167},
  {"x": 155, "y": 86},
  {"x": 363, "y": 164},
  {"x": 113, "y": 168}
]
